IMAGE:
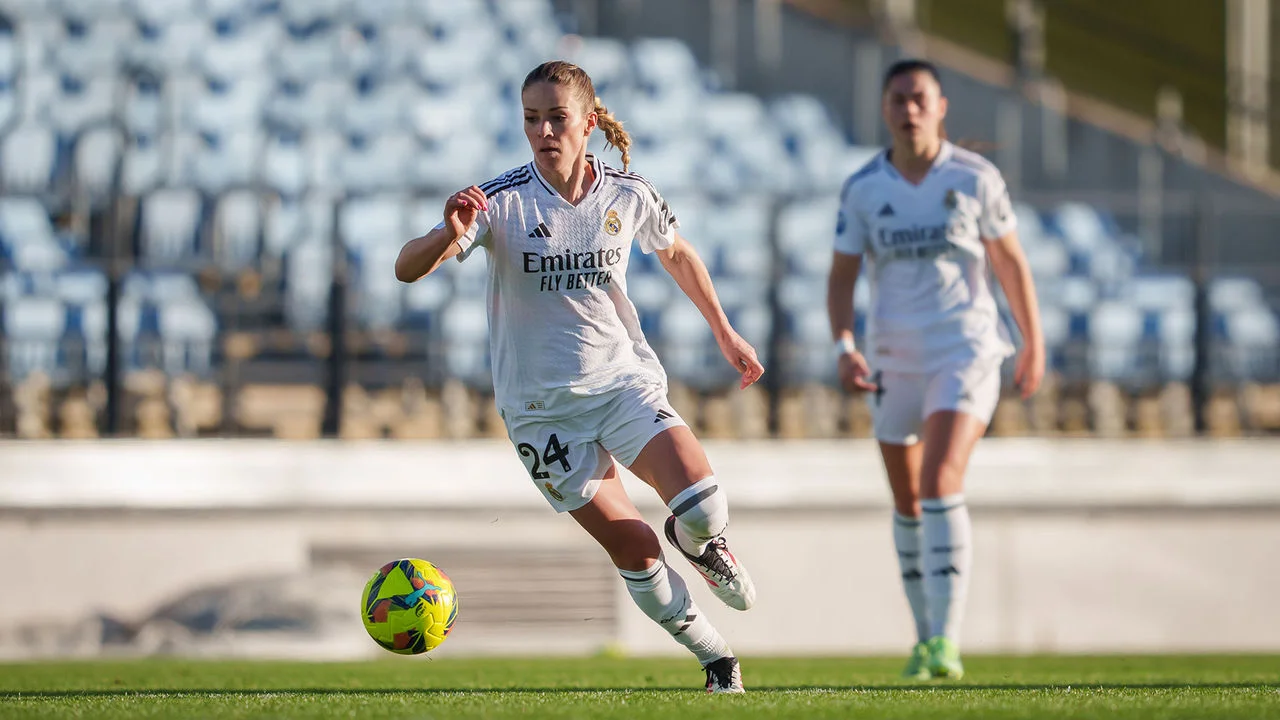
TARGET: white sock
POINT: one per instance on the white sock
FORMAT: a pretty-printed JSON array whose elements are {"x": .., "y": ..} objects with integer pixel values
[
  {"x": 948, "y": 555},
  {"x": 702, "y": 514},
  {"x": 661, "y": 594},
  {"x": 907, "y": 539}
]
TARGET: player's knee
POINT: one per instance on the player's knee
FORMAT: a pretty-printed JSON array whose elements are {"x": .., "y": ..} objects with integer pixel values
[
  {"x": 634, "y": 546},
  {"x": 907, "y": 505},
  {"x": 702, "y": 509}
]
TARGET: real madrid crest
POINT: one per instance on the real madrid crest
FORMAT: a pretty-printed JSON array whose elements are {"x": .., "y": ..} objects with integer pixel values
[
  {"x": 950, "y": 200},
  {"x": 612, "y": 223},
  {"x": 553, "y": 492}
]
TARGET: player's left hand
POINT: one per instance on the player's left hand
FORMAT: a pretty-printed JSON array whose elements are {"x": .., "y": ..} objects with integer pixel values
[
  {"x": 1029, "y": 371},
  {"x": 742, "y": 357}
]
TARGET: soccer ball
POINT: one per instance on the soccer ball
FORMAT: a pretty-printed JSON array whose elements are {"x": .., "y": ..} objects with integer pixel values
[{"x": 409, "y": 606}]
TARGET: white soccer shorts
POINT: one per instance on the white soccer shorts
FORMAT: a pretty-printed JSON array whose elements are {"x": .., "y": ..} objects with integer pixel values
[
  {"x": 904, "y": 400},
  {"x": 567, "y": 458}
]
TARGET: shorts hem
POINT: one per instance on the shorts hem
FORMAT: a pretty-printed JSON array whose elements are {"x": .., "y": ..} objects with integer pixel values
[{"x": 674, "y": 422}]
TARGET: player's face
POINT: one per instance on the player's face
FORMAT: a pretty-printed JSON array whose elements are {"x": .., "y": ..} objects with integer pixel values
[
  {"x": 556, "y": 125},
  {"x": 913, "y": 107}
]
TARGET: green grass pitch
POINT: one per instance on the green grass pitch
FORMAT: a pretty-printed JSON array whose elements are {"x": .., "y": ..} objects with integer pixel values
[{"x": 1162, "y": 687}]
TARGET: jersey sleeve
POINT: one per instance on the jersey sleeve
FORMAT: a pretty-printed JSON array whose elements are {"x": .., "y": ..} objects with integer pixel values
[
  {"x": 851, "y": 228},
  {"x": 478, "y": 235},
  {"x": 657, "y": 230},
  {"x": 997, "y": 218}
]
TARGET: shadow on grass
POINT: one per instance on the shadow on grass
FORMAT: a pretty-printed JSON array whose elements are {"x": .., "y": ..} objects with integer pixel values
[{"x": 924, "y": 688}]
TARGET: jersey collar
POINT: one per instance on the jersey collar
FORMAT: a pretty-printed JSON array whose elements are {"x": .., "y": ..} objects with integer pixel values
[
  {"x": 945, "y": 151},
  {"x": 597, "y": 169}
]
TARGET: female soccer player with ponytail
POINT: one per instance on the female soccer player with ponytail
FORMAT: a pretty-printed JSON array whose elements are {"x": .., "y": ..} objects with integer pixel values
[
  {"x": 575, "y": 381},
  {"x": 929, "y": 218}
]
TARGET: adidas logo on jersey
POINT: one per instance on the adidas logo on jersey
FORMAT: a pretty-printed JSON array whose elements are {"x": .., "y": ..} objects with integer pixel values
[
  {"x": 887, "y": 211},
  {"x": 542, "y": 231}
]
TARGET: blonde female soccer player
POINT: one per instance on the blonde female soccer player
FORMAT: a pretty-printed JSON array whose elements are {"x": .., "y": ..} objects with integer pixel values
[
  {"x": 575, "y": 381},
  {"x": 930, "y": 218}
]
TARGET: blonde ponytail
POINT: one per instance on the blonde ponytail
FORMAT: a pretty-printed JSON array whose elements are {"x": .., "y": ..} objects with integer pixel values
[{"x": 614, "y": 134}]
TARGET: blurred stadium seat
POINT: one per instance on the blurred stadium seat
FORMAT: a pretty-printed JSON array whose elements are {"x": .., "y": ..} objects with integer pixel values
[{"x": 241, "y": 129}]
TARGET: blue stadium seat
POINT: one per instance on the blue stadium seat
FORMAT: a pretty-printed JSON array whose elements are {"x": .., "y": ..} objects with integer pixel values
[
  {"x": 382, "y": 108},
  {"x": 377, "y": 163},
  {"x": 24, "y": 220},
  {"x": 1253, "y": 337},
  {"x": 170, "y": 223},
  {"x": 424, "y": 299},
  {"x": 227, "y": 160},
  {"x": 284, "y": 164},
  {"x": 83, "y": 101},
  {"x": 449, "y": 14},
  {"x": 308, "y": 274},
  {"x": 29, "y": 9},
  {"x": 455, "y": 54},
  {"x": 169, "y": 46},
  {"x": 467, "y": 158},
  {"x": 607, "y": 62},
  {"x": 1082, "y": 228},
  {"x": 379, "y": 298},
  {"x": 237, "y": 230},
  {"x": 1160, "y": 292},
  {"x": 162, "y": 12},
  {"x": 283, "y": 226},
  {"x": 310, "y": 52},
  {"x": 1176, "y": 334},
  {"x": 8, "y": 102},
  {"x": 28, "y": 156},
  {"x": 1115, "y": 331},
  {"x": 465, "y": 339},
  {"x": 33, "y": 328},
  {"x": 233, "y": 51},
  {"x": 370, "y": 221},
  {"x": 307, "y": 106},
  {"x": 81, "y": 287},
  {"x": 10, "y": 53},
  {"x": 380, "y": 12},
  {"x": 91, "y": 47},
  {"x": 311, "y": 12},
  {"x": 188, "y": 330},
  {"x": 1231, "y": 294},
  {"x": 144, "y": 164},
  {"x": 229, "y": 104}
]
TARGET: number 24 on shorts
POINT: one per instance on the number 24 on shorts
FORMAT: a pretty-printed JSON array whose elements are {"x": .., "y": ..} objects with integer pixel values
[{"x": 554, "y": 452}]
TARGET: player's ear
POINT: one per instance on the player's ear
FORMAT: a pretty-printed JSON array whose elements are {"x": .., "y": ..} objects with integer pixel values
[
  {"x": 942, "y": 107},
  {"x": 593, "y": 121}
]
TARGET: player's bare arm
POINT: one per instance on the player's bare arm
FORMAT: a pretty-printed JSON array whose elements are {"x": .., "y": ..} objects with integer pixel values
[
  {"x": 690, "y": 273},
  {"x": 421, "y": 256},
  {"x": 1009, "y": 264},
  {"x": 852, "y": 366}
]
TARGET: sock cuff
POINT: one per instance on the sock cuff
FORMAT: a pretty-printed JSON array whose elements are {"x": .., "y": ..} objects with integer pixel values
[
  {"x": 649, "y": 574},
  {"x": 905, "y": 521},
  {"x": 942, "y": 504},
  {"x": 692, "y": 495}
]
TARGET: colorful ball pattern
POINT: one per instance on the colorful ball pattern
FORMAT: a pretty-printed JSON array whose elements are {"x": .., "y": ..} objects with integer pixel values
[{"x": 409, "y": 606}]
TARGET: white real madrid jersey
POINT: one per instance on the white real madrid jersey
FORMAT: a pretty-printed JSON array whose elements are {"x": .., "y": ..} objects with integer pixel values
[
  {"x": 561, "y": 326},
  {"x": 923, "y": 245}
]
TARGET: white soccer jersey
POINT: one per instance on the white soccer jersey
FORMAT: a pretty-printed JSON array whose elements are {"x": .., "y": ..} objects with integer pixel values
[
  {"x": 561, "y": 326},
  {"x": 926, "y": 259}
]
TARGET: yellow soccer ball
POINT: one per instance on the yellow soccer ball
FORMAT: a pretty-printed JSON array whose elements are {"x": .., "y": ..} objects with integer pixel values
[{"x": 409, "y": 606}]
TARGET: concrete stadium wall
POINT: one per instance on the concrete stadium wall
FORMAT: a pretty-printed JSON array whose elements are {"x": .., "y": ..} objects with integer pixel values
[{"x": 1081, "y": 545}]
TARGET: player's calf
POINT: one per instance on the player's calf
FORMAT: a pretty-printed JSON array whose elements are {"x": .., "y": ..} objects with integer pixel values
[{"x": 696, "y": 528}]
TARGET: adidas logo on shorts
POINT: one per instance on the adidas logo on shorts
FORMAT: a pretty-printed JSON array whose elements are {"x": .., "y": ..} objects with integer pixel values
[{"x": 663, "y": 415}]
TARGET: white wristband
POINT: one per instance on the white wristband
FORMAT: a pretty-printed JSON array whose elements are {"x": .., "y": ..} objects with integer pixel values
[{"x": 845, "y": 346}]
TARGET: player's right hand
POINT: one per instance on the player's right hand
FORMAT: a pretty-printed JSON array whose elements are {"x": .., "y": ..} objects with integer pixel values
[
  {"x": 855, "y": 373},
  {"x": 461, "y": 209}
]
